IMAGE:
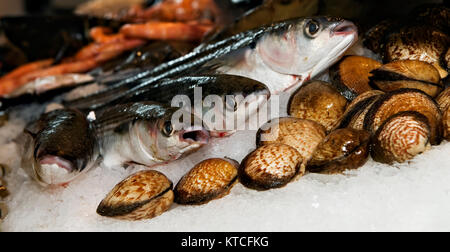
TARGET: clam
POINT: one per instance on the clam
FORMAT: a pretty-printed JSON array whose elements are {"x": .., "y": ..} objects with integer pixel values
[
  {"x": 351, "y": 75},
  {"x": 374, "y": 39},
  {"x": 424, "y": 43},
  {"x": 270, "y": 166},
  {"x": 341, "y": 150},
  {"x": 401, "y": 137},
  {"x": 444, "y": 99},
  {"x": 446, "y": 124},
  {"x": 401, "y": 100},
  {"x": 210, "y": 179},
  {"x": 407, "y": 74},
  {"x": 317, "y": 101},
  {"x": 143, "y": 195},
  {"x": 303, "y": 135},
  {"x": 357, "y": 110}
]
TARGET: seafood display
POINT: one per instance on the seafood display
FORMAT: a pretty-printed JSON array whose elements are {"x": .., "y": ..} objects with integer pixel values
[{"x": 152, "y": 82}]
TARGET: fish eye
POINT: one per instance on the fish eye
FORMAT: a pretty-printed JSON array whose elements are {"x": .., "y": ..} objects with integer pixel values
[
  {"x": 167, "y": 129},
  {"x": 312, "y": 28}
]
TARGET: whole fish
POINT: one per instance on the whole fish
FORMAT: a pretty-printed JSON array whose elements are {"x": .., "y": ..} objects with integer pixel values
[
  {"x": 144, "y": 133},
  {"x": 281, "y": 56},
  {"x": 60, "y": 146}
]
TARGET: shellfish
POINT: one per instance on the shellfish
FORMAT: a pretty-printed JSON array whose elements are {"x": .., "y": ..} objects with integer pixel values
[
  {"x": 143, "y": 195},
  {"x": 405, "y": 100},
  {"x": 401, "y": 137},
  {"x": 270, "y": 166},
  {"x": 341, "y": 150},
  {"x": 303, "y": 135},
  {"x": 210, "y": 179},
  {"x": 407, "y": 74},
  {"x": 351, "y": 75},
  {"x": 317, "y": 101}
]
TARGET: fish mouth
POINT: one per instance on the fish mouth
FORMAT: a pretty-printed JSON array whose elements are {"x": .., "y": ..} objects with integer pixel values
[
  {"x": 54, "y": 170},
  {"x": 195, "y": 135},
  {"x": 344, "y": 28}
]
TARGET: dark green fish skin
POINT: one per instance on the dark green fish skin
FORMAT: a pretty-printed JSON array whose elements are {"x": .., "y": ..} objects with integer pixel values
[{"x": 66, "y": 135}]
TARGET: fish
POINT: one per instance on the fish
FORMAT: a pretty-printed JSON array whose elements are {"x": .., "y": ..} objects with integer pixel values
[
  {"x": 299, "y": 52},
  {"x": 144, "y": 133},
  {"x": 307, "y": 46},
  {"x": 59, "y": 146}
]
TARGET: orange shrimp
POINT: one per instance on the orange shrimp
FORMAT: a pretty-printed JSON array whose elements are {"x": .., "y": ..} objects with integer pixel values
[
  {"x": 94, "y": 49},
  {"x": 178, "y": 10},
  {"x": 166, "y": 31},
  {"x": 103, "y": 35},
  {"x": 27, "y": 68},
  {"x": 84, "y": 63}
]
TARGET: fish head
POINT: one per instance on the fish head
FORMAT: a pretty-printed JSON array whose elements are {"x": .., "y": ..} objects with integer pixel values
[
  {"x": 306, "y": 46},
  {"x": 63, "y": 148},
  {"x": 174, "y": 140}
]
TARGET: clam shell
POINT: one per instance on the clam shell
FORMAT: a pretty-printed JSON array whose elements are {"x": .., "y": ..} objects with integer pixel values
[
  {"x": 401, "y": 138},
  {"x": 407, "y": 74},
  {"x": 444, "y": 99},
  {"x": 351, "y": 75},
  {"x": 405, "y": 100},
  {"x": 270, "y": 166},
  {"x": 143, "y": 195},
  {"x": 210, "y": 179},
  {"x": 303, "y": 135},
  {"x": 341, "y": 150},
  {"x": 357, "y": 110},
  {"x": 423, "y": 43},
  {"x": 317, "y": 101},
  {"x": 446, "y": 124},
  {"x": 375, "y": 37}
]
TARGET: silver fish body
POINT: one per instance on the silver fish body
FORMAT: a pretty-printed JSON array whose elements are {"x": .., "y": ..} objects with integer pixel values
[{"x": 144, "y": 133}]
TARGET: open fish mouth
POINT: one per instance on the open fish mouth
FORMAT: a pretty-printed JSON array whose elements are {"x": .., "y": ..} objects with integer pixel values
[
  {"x": 54, "y": 170},
  {"x": 194, "y": 135},
  {"x": 344, "y": 28}
]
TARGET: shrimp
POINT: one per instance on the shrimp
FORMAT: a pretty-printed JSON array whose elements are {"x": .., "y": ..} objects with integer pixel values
[
  {"x": 177, "y": 10},
  {"x": 27, "y": 68},
  {"x": 166, "y": 31},
  {"x": 95, "y": 49},
  {"x": 102, "y": 34}
]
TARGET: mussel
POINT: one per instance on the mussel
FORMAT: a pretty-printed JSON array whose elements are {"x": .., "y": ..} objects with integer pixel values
[
  {"x": 317, "y": 101},
  {"x": 407, "y": 74},
  {"x": 3, "y": 189},
  {"x": 303, "y": 135},
  {"x": 401, "y": 137},
  {"x": 210, "y": 179},
  {"x": 446, "y": 124},
  {"x": 143, "y": 195},
  {"x": 270, "y": 166},
  {"x": 351, "y": 75},
  {"x": 341, "y": 150},
  {"x": 401, "y": 100}
]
